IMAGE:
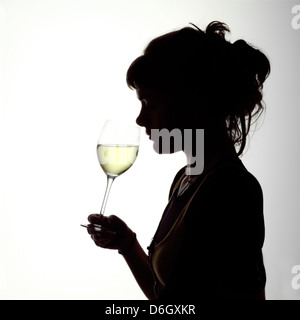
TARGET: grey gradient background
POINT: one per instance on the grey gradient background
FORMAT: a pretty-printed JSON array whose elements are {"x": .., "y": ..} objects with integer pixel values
[{"x": 62, "y": 74}]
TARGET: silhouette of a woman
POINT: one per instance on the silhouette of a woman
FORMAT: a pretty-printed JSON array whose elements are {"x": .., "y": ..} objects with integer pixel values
[{"x": 208, "y": 244}]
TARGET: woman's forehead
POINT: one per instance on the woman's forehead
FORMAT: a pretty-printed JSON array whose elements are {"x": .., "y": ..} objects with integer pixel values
[{"x": 144, "y": 92}]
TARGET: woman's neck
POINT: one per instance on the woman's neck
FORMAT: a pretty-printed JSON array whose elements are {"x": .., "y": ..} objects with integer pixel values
[{"x": 216, "y": 146}]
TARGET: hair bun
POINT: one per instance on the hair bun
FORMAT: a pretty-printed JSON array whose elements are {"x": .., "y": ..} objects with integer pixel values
[
  {"x": 252, "y": 60},
  {"x": 217, "y": 28}
]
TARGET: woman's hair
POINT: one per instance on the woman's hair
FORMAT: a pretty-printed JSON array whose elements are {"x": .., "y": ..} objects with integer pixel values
[{"x": 193, "y": 63}]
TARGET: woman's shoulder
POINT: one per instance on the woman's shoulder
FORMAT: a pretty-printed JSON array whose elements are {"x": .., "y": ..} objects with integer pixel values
[
  {"x": 227, "y": 177},
  {"x": 231, "y": 197},
  {"x": 232, "y": 176},
  {"x": 229, "y": 186}
]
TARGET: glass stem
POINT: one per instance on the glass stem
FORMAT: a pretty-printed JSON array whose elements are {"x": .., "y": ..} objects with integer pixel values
[{"x": 110, "y": 180}]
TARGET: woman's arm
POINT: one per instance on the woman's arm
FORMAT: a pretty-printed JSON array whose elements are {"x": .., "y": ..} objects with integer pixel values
[
  {"x": 137, "y": 260},
  {"x": 115, "y": 234}
]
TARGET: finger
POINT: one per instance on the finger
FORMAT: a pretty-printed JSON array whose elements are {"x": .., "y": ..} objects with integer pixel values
[
  {"x": 99, "y": 229},
  {"x": 103, "y": 243},
  {"x": 107, "y": 234},
  {"x": 99, "y": 219},
  {"x": 105, "y": 240},
  {"x": 94, "y": 218},
  {"x": 94, "y": 228},
  {"x": 91, "y": 230}
]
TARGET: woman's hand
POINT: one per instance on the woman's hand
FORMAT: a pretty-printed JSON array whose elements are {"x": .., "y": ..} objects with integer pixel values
[{"x": 113, "y": 234}]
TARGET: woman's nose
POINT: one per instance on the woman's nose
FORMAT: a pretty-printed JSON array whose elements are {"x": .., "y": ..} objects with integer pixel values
[{"x": 142, "y": 118}]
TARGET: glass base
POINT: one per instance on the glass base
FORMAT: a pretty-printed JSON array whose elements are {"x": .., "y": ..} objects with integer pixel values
[{"x": 96, "y": 227}]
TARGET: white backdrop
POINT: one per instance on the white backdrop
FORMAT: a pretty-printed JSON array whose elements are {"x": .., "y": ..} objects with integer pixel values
[{"x": 62, "y": 74}]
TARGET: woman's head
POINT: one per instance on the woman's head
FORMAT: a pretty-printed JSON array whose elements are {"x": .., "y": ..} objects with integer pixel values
[{"x": 203, "y": 73}]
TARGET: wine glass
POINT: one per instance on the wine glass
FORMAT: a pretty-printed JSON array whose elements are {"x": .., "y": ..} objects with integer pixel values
[{"x": 117, "y": 149}]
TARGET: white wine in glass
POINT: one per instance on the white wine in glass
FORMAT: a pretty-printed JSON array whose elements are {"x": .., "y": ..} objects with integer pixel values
[
  {"x": 117, "y": 149},
  {"x": 116, "y": 159}
]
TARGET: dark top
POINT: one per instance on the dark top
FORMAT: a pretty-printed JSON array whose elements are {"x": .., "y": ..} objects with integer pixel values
[{"x": 219, "y": 253}]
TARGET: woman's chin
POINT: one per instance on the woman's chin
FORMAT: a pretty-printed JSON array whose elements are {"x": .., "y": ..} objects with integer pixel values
[{"x": 164, "y": 149}]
